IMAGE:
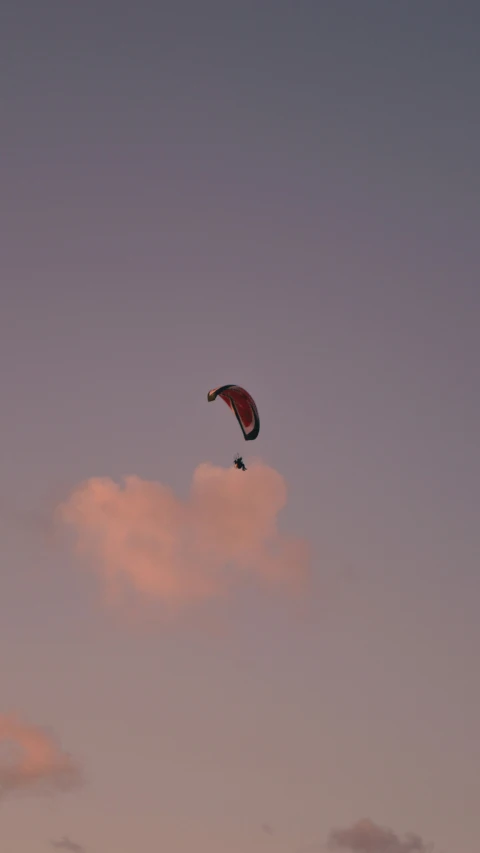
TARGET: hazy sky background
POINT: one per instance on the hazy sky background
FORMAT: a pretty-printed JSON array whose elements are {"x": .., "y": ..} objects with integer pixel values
[{"x": 284, "y": 195}]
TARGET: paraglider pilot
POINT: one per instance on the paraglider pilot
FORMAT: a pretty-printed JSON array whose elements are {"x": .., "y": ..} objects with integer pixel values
[{"x": 239, "y": 463}]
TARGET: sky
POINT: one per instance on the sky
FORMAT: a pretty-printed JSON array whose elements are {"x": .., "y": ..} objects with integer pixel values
[{"x": 284, "y": 196}]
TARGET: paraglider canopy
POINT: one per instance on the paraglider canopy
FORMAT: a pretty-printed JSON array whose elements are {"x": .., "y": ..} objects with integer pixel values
[{"x": 242, "y": 405}]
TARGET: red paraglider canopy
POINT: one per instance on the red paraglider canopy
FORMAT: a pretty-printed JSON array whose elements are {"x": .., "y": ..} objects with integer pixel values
[{"x": 242, "y": 405}]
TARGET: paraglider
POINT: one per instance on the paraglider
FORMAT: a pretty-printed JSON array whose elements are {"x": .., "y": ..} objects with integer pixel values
[
  {"x": 239, "y": 463},
  {"x": 245, "y": 410}
]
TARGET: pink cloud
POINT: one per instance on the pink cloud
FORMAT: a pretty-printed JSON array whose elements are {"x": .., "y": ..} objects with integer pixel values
[
  {"x": 141, "y": 536},
  {"x": 30, "y": 760}
]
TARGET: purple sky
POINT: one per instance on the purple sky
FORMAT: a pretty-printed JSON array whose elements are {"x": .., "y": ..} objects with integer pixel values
[{"x": 284, "y": 195}]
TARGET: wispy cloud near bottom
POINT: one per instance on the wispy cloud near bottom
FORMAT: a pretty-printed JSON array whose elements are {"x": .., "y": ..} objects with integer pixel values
[
  {"x": 67, "y": 844},
  {"x": 365, "y": 836},
  {"x": 31, "y": 761}
]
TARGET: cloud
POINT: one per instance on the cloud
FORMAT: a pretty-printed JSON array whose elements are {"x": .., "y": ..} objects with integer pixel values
[
  {"x": 65, "y": 843},
  {"x": 30, "y": 760},
  {"x": 367, "y": 837},
  {"x": 145, "y": 539}
]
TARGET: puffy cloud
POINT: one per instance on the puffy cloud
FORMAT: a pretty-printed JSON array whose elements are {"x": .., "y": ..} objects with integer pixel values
[
  {"x": 30, "y": 760},
  {"x": 367, "y": 837},
  {"x": 142, "y": 537}
]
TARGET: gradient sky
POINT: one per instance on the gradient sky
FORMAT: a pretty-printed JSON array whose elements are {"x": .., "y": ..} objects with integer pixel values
[{"x": 284, "y": 195}]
